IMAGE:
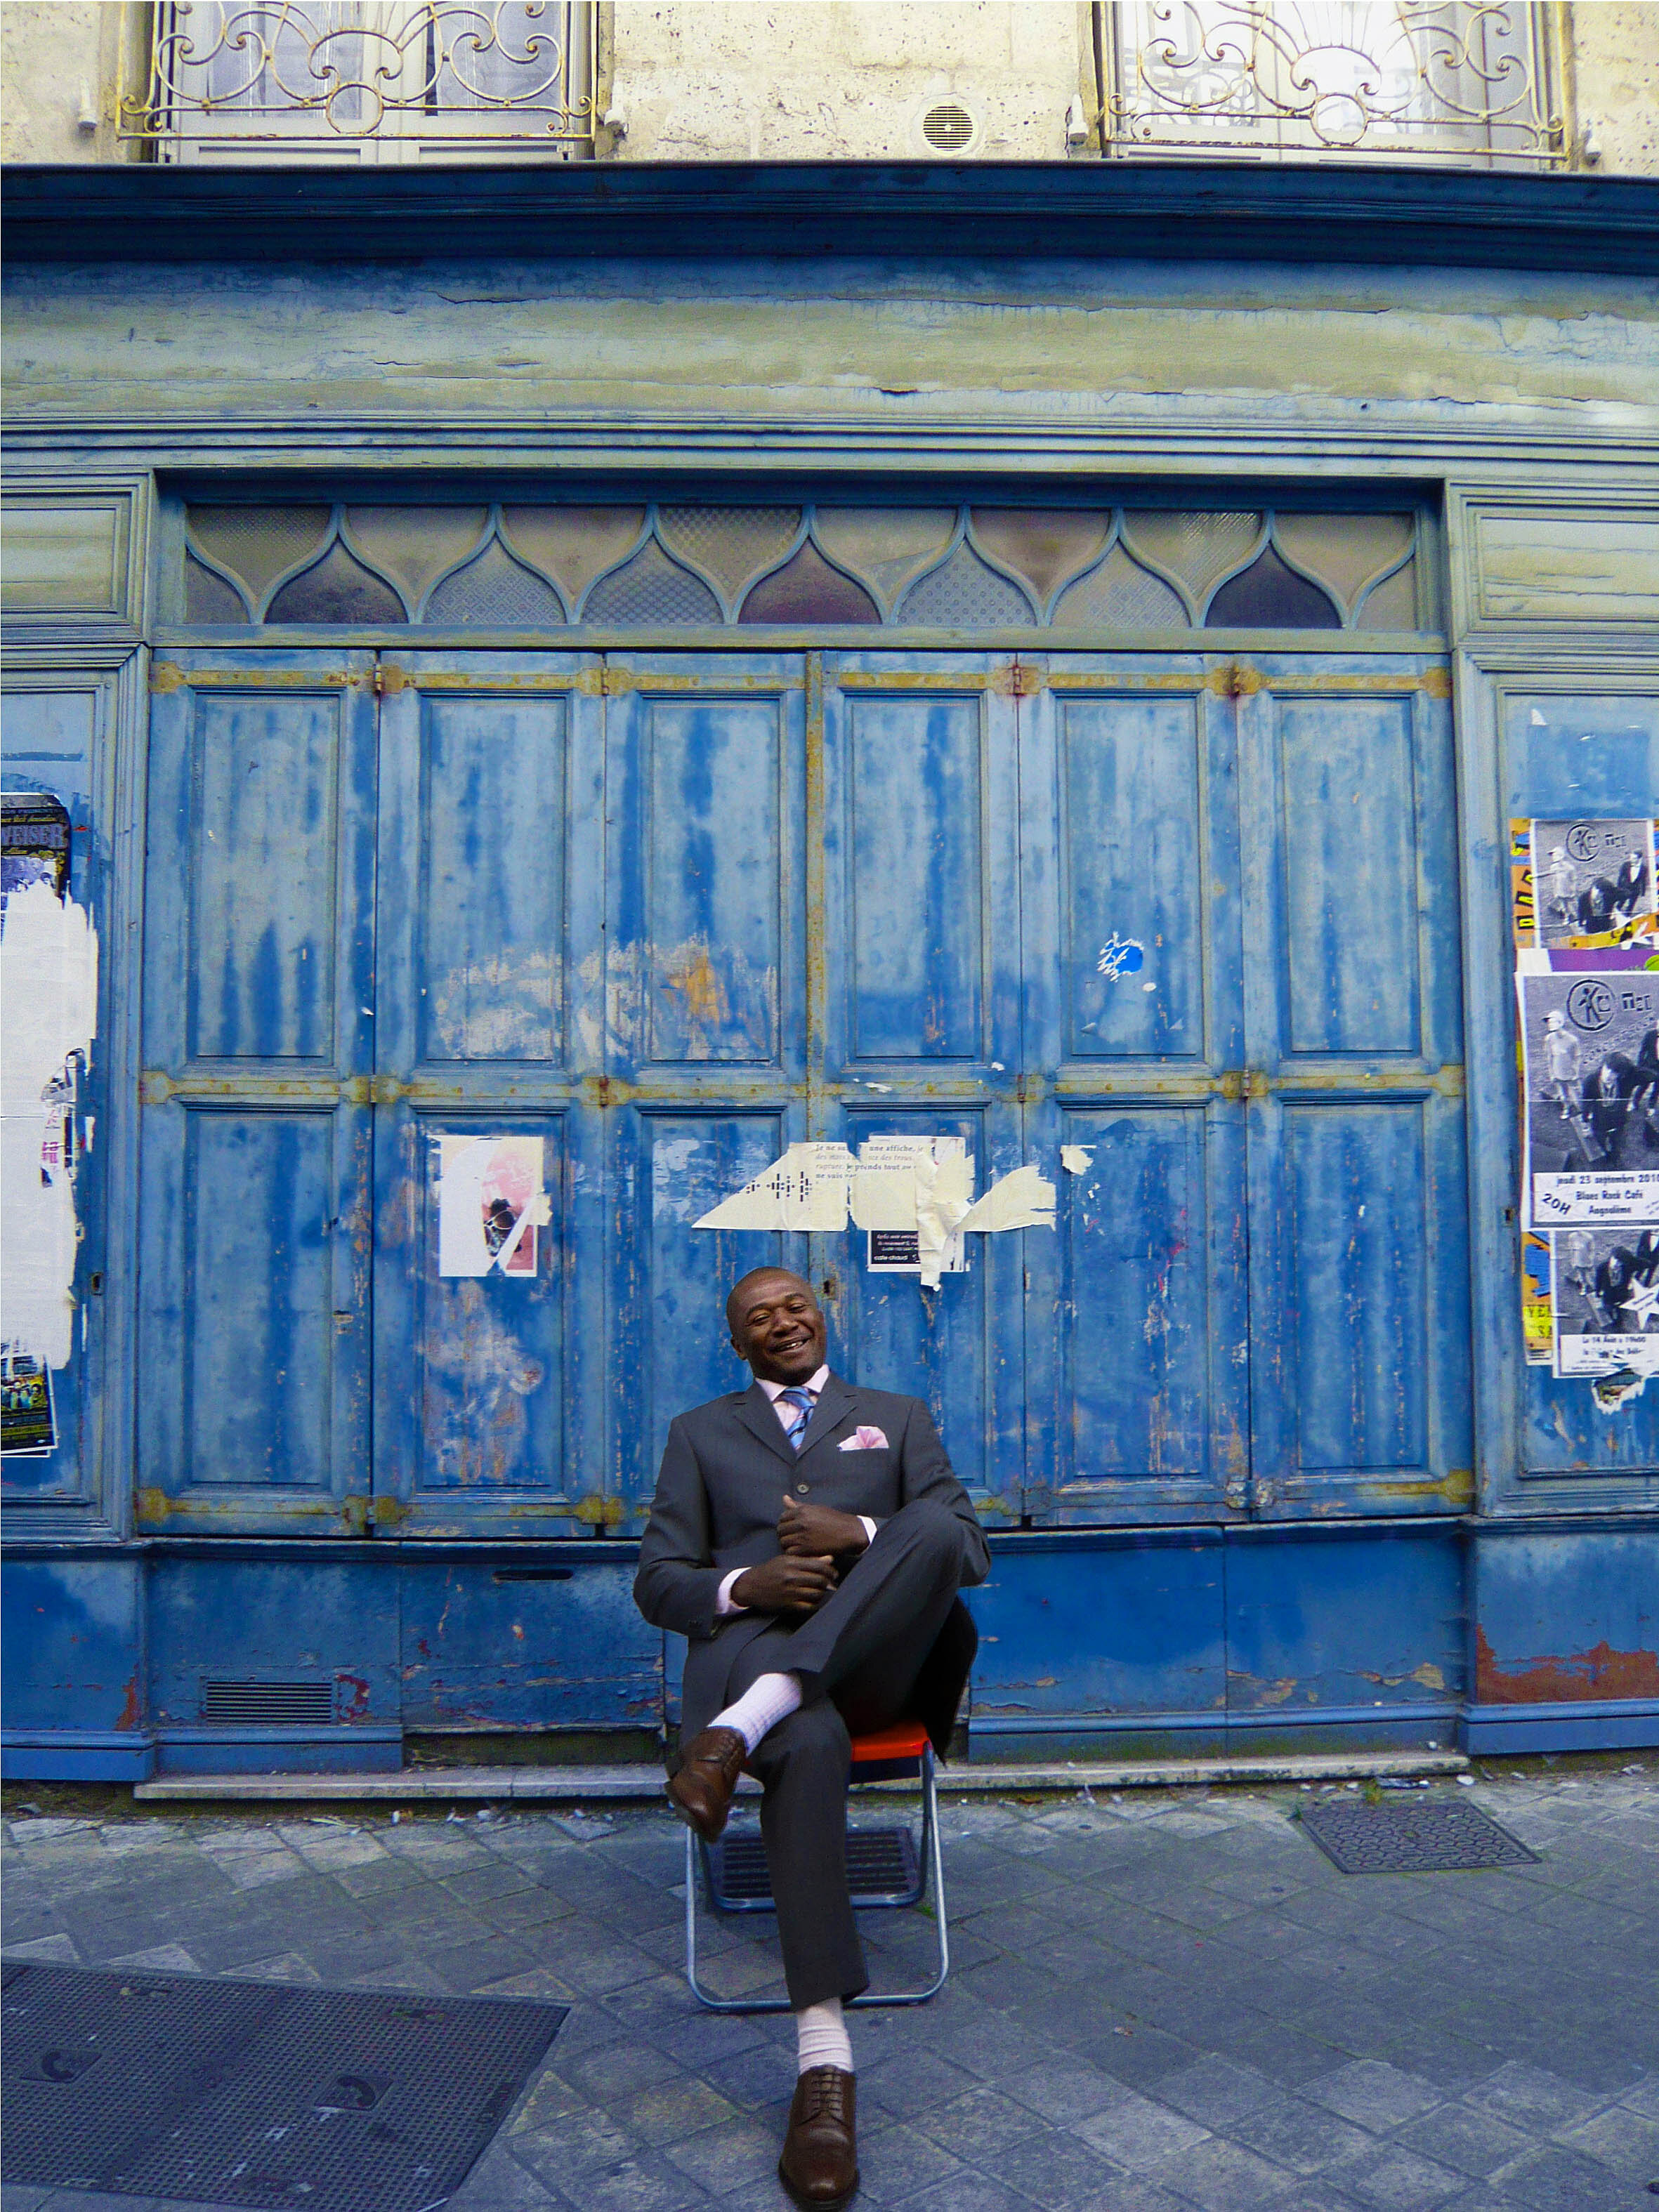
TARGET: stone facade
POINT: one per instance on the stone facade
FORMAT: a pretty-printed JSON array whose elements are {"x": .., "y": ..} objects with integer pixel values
[{"x": 800, "y": 80}]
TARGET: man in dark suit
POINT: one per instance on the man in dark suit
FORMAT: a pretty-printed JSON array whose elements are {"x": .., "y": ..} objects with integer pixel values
[{"x": 809, "y": 1538}]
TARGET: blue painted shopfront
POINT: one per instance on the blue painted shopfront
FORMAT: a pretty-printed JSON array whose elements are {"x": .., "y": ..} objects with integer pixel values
[{"x": 1195, "y": 902}]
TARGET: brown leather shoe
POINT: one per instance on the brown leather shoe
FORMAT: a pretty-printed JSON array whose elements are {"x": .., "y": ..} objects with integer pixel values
[
  {"x": 820, "y": 2163},
  {"x": 700, "y": 1786}
]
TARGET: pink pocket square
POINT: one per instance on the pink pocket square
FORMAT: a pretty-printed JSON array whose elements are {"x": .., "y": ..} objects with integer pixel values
[{"x": 863, "y": 1439}]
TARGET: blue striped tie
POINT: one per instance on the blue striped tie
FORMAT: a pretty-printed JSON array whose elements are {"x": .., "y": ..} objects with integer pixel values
[{"x": 802, "y": 1401}]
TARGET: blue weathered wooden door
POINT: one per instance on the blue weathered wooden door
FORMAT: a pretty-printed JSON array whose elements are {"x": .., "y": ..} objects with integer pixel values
[
  {"x": 1136, "y": 1326},
  {"x": 488, "y": 1398},
  {"x": 921, "y": 1035},
  {"x": 1359, "y": 1296},
  {"x": 255, "y": 1233},
  {"x": 1241, "y": 961},
  {"x": 706, "y": 1014}
]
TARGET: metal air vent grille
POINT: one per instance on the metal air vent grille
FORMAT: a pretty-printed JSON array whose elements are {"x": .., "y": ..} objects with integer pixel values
[
  {"x": 268, "y": 1704},
  {"x": 947, "y": 128}
]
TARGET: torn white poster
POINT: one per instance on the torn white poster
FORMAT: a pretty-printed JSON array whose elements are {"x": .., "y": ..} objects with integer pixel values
[
  {"x": 1075, "y": 1158},
  {"x": 907, "y": 1191},
  {"x": 49, "y": 1004},
  {"x": 1024, "y": 1200},
  {"x": 1606, "y": 1301},
  {"x": 490, "y": 1204},
  {"x": 806, "y": 1190},
  {"x": 1590, "y": 1080}
]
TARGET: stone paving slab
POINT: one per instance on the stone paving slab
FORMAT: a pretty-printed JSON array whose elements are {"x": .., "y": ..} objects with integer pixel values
[{"x": 1160, "y": 2001}]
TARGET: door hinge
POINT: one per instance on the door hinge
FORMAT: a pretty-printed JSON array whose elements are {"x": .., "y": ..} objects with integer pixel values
[
  {"x": 388, "y": 680},
  {"x": 1021, "y": 679}
]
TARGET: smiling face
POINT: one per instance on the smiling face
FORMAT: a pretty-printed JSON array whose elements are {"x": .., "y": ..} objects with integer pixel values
[{"x": 777, "y": 1326}]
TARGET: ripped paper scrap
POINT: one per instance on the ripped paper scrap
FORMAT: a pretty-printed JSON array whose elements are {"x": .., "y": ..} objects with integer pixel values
[
  {"x": 1024, "y": 1200},
  {"x": 490, "y": 1204},
  {"x": 1610, "y": 1392},
  {"x": 1075, "y": 1158},
  {"x": 806, "y": 1190},
  {"x": 944, "y": 1198},
  {"x": 49, "y": 1003}
]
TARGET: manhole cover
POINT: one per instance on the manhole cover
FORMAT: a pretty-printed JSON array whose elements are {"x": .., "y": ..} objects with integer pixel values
[
  {"x": 881, "y": 1862},
  {"x": 257, "y": 2094},
  {"x": 1437, "y": 1835}
]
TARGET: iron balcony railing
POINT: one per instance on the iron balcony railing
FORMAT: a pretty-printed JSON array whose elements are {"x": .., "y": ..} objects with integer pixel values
[
  {"x": 342, "y": 81},
  {"x": 1476, "y": 82}
]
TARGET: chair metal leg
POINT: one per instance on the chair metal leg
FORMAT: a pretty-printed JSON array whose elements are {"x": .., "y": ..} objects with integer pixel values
[{"x": 933, "y": 1860}]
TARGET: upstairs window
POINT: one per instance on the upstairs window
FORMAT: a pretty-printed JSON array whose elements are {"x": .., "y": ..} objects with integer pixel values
[
  {"x": 368, "y": 80},
  {"x": 1474, "y": 84}
]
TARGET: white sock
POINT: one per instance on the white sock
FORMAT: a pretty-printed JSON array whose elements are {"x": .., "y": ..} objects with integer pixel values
[
  {"x": 821, "y": 2038},
  {"x": 772, "y": 1699}
]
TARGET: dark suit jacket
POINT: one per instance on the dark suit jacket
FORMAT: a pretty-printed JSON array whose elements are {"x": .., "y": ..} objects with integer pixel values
[{"x": 725, "y": 1470}]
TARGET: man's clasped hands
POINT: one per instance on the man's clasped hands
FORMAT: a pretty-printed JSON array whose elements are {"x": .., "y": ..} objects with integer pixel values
[{"x": 818, "y": 1545}]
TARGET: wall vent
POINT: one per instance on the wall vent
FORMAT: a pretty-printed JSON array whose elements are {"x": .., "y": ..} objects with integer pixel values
[
  {"x": 267, "y": 1704},
  {"x": 948, "y": 128}
]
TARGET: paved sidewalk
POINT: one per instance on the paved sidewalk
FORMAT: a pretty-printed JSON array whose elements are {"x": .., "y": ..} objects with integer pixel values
[{"x": 1164, "y": 2002}]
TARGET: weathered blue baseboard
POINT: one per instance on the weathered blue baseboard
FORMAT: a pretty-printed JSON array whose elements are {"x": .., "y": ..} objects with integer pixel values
[
  {"x": 62, "y": 1755},
  {"x": 1210, "y": 1735},
  {"x": 1604, "y": 1724},
  {"x": 357, "y": 1750}
]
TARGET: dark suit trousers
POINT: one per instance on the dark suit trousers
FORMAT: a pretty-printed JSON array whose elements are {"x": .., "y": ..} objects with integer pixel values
[{"x": 858, "y": 1656}]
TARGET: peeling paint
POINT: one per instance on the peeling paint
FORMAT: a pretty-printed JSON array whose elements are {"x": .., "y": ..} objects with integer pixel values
[{"x": 1601, "y": 1672}]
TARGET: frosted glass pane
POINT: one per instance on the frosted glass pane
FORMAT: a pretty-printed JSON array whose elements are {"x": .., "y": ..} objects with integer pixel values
[
  {"x": 572, "y": 544},
  {"x": 732, "y": 543},
  {"x": 1044, "y": 547},
  {"x": 415, "y": 544},
  {"x": 1199, "y": 549},
  {"x": 1121, "y": 595},
  {"x": 809, "y": 591},
  {"x": 965, "y": 594},
  {"x": 339, "y": 589},
  {"x": 1345, "y": 550},
  {"x": 258, "y": 542},
  {"x": 650, "y": 590},
  {"x": 496, "y": 590},
  {"x": 886, "y": 547}
]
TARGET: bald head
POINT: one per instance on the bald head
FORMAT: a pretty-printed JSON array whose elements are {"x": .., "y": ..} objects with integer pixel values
[{"x": 776, "y": 1325}]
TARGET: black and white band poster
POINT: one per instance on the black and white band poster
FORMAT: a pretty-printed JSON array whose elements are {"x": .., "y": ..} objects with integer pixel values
[
  {"x": 1582, "y": 886},
  {"x": 1590, "y": 1083},
  {"x": 1606, "y": 1300}
]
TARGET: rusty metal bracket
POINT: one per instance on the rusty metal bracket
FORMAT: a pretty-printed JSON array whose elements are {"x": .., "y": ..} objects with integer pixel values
[
  {"x": 155, "y": 1088},
  {"x": 389, "y": 679}
]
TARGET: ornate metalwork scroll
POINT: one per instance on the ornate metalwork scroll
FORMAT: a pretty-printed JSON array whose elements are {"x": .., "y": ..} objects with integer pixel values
[
  {"x": 1472, "y": 82},
  {"x": 391, "y": 78}
]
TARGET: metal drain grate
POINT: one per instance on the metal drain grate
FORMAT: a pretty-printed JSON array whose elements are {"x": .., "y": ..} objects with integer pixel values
[
  {"x": 1433, "y": 1836},
  {"x": 256, "y": 2094},
  {"x": 881, "y": 1862}
]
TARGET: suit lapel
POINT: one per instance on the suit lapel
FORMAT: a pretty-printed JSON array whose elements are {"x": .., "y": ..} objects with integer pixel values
[
  {"x": 835, "y": 1406},
  {"x": 754, "y": 1412}
]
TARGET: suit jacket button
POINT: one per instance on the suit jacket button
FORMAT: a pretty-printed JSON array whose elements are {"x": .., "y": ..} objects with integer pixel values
[{"x": 803, "y": 1487}]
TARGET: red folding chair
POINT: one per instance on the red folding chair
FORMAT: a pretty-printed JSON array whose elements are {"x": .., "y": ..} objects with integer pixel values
[{"x": 887, "y": 1868}]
